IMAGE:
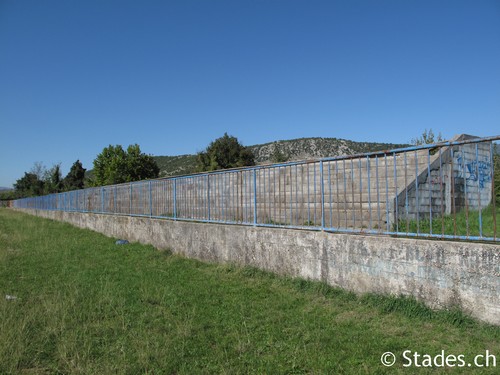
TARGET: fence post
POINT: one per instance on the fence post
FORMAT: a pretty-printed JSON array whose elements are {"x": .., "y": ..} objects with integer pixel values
[
  {"x": 208, "y": 197},
  {"x": 479, "y": 193},
  {"x": 254, "y": 196},
  {"x": 130, "y": 208},
  {"x": 175, "y": 198},
  {"x": 102, "y": 199},
  {"x": 150, "y": 200},
  {"x": 493, "y": 195},
  {"x": 322, "y": 195}
]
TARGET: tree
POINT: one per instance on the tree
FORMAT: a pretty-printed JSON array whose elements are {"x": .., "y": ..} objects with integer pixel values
[
  {"x": 140, "y": 166},
  {"x": 115, "y": 165},
  {"x": 223, "y": 153},
  {"x": 39, "y": 170},
  {"x": 75, "y": 178},
  {"x": 427, "y": 138},
  {"x": 29, "y": 185},
  {"x": 8, "y": 195},
  {"x": 39, "y": 181},
  {"x": 53, "y": 181}
]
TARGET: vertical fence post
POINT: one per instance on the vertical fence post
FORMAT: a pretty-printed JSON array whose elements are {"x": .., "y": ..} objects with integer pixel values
[
  {"x": 369, "y": 193},
  {"x": 463, "y": 156},
  {"x": 175, "y": 198},
  {"x": 102, "y": 199},
  {"x": 322, "y": 195},
  {"x": 130, "y": 200},
  {"x": 396, "y": 203},
  {"x": 254, "y": 196},
  {"x": 493, "y": 192},
  {"x": 417, "y": 203},
  {"x": 430, "y": 189},
  {"x": 150, "y": 200},
  {"x": 208, "y": 197},
  {"x": 478, "y": 193}
]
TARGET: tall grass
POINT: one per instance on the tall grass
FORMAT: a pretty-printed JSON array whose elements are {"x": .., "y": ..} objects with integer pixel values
[{"x": 85, "y": 305}]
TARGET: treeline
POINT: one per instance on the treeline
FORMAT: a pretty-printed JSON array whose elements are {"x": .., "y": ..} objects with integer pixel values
[
  {"x": 115, "y": 165},
  {"x": 41, "y": 181}
]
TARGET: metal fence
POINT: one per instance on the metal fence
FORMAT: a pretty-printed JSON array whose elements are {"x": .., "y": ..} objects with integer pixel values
[{"x": 443, "y": 190}]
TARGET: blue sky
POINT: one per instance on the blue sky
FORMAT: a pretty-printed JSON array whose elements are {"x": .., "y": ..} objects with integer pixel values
[{"x": 76, "y": 76}]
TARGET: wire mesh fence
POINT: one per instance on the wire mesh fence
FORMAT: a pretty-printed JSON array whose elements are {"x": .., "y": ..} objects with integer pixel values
[{"x": 443, "y": 190}]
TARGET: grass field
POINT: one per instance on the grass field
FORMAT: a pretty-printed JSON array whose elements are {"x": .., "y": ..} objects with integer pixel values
[{"x": 87, "y": 306}]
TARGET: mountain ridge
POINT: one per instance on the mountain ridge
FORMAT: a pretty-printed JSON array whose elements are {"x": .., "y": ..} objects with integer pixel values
[{"x": 291, "y": 150}]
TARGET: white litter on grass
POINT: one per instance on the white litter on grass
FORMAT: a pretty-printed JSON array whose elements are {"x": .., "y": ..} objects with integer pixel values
[
  {"x": 121, "y": 242},
  {"x": 10, "y": 298}
]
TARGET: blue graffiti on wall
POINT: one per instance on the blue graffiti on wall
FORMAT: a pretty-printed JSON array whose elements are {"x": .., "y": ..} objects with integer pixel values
[{"x": 475, "y": 171}]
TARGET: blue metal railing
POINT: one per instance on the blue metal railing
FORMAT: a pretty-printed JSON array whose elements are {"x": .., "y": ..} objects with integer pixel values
[{"x": 423, "y": 191}]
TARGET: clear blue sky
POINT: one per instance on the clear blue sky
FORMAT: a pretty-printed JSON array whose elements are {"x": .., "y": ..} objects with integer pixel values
[{"x": 76, "y": 76}]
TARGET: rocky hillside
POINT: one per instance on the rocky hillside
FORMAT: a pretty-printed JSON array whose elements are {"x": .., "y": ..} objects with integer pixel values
[
  {"x": 313, "y": 148},
  {"x": 175, "y": 165},
  {"x": 288, "y": 150}
]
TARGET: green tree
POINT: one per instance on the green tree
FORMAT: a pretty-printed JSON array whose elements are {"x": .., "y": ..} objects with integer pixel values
[
  {"x": 223, "y": 153},
  {"x": 53, "y": 181},
  {"x": 29, "y": 185},
  {"x": 426, "y": 138},
  {"x": 139, "y": 165},
  {"x": 75, "y": 178},
  {"x": 114, "y": 165},
  {"x": 8, "y": 195}
]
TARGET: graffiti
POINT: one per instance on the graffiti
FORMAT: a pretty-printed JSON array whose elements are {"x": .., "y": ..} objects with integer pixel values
[{"x": 476, "y": 171}]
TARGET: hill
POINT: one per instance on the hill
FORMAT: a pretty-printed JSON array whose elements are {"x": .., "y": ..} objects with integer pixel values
[
  {"x": 290, "y": 150},
  {"x": 175, "y": 165}
]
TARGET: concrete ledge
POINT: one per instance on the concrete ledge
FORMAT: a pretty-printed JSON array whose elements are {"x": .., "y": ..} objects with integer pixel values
[{"x": 439, "y": 273}]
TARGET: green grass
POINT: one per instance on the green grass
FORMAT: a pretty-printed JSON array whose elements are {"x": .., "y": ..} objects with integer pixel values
[
  {"x": 87, "y": 306},
  {"x": 462, "y": 224}
]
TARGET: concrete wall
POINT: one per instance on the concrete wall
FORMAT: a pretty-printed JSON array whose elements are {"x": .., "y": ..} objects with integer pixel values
[{"x": 439, "y": 273}]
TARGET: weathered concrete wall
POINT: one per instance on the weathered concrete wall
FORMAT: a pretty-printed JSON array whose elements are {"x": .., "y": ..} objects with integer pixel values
[{"x": 439, "y": 273}]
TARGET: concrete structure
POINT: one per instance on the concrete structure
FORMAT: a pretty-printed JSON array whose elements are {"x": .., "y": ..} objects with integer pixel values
[
  {"x": 458, "y": 178},
  {"x": 439, "y": 273},
  {"x": 353, "y": 193},
  {"x": 374, "y": 192}
]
